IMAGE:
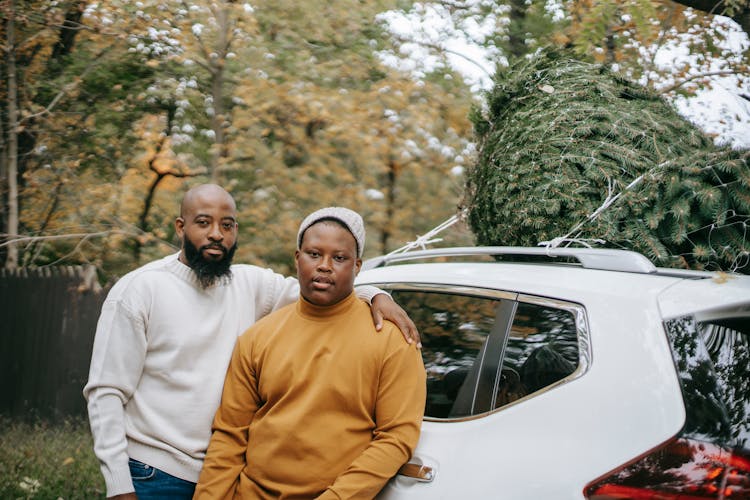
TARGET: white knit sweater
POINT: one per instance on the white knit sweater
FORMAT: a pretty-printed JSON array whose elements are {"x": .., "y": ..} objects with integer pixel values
[{"x": 160, "y": 355}]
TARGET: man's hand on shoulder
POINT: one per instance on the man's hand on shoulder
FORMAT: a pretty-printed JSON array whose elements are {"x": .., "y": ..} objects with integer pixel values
[{"x": 384, "y": 307}]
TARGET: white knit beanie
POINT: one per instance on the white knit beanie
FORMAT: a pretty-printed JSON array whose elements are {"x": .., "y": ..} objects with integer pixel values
[{"x": 349, "y": 218}]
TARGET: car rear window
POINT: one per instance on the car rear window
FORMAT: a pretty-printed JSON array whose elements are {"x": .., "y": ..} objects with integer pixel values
[
  {"x": 713, "y": 362},
  {"x": 727, "y": 343},
  {"x": 709, "y": 457}
]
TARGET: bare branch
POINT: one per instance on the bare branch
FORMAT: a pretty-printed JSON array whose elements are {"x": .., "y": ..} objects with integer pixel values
[
  {"x": 226, "y": 25},
  {"x": 689, "y": 79},
  {"x": 201, "y": 45},
  {"x": 440, "y": 48},
  {"x": 457, "y": 5},
  {"x": 11, "y": 239}
]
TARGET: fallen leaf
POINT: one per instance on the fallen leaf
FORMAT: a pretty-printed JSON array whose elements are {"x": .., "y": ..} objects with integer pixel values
[{"x": 721, "y": 277}]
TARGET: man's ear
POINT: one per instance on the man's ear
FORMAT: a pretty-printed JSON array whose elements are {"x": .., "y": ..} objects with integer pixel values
[
  {"x": 179, "y": 226},
  {"x": 358, "y": 266},
  {"x": 296, "y": 261}
]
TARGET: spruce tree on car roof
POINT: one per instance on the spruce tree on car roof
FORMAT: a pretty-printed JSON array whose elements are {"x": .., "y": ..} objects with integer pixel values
[{"x": 560, "y": 137}]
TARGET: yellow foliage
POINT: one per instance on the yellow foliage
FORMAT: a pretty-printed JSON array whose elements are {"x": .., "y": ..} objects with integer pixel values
[{"x": 316, "y": 120}]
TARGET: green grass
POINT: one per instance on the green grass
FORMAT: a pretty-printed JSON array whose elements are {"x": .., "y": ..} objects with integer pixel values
[{"x": 45, "y": 461}]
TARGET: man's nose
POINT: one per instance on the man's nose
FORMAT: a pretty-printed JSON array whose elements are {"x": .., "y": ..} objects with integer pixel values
[
  {"x": 324, "y": 264},
  {"x": 215, "y": 234}
]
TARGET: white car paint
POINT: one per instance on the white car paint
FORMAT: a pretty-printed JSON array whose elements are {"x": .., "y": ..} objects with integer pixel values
[{"x": 552, "y": 444}]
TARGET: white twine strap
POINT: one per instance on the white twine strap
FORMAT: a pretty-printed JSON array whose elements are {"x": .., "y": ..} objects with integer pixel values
[{"x": 429, "y": 237}]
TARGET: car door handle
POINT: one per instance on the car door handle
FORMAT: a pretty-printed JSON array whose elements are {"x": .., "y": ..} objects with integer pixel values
[{"x": 421, "y": 473}]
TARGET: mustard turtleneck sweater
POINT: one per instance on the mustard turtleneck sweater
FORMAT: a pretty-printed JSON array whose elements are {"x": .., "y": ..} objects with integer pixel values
[{"x": 316, "y": 403}]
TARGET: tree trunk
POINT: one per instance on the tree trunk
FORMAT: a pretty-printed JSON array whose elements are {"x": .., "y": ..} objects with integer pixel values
[
  {"x": 390, "y": 200},
  {"x": 11, "y": 260},
  {"x": 68, "y": 31},
  {"x": 217, "y": 123},
  {"x": 3, "y": 174},
  {"x": 217, "y": 90}
]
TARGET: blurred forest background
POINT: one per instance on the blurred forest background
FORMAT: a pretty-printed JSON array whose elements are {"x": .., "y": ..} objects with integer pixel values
[{"x": 111, "y": 109}]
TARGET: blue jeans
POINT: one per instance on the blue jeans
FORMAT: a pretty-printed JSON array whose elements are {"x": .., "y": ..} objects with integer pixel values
[{"x": 153, "y": 484}]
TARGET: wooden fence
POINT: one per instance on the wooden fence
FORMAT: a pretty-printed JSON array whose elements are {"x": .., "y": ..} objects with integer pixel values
[{"x": 47, "y": 322}]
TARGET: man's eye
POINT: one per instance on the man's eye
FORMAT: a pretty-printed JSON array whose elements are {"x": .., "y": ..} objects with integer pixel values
[
  {"x": 313, "y": 254},
  {"x": 340, "y": 258},
  {"x": 228, "y": 226},
  {"x": 202, "y": 222}
]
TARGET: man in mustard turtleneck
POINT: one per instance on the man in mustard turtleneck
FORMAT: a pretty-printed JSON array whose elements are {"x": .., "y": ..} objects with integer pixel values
[{"x": 316, "y": 403}]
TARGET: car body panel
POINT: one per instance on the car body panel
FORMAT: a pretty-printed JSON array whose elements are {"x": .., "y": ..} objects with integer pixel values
[
  {"x": 722, "y": 292},
  {"x": 510, "y": 447}
]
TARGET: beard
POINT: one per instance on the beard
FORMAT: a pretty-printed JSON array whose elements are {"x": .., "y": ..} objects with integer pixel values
[{"x": 208, "y": 271}]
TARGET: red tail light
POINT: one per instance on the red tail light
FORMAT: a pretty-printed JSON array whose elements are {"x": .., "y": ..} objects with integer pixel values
[{"x": 682, "y": 469}]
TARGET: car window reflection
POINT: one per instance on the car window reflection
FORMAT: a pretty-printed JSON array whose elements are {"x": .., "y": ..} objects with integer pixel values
[
  {"x": 727, "y": 344},
  {"x": 540, "y": 348},
  {"x": 706, "y": 415}
]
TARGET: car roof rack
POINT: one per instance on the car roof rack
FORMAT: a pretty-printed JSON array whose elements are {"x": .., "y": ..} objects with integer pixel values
[{"x": 589, "y": 258}]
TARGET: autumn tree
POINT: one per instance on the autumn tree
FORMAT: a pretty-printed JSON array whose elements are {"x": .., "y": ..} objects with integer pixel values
[
  {"x": 328, "y": 123},
  {"x": 194, "y": 45},
  {"x": 289, "y": 108},
  {"x": 82, "y": 92},
  {"x": 107, "y": 102},
  {"x": 37, "y": 35},
  {"x": 9, "y": 134}
]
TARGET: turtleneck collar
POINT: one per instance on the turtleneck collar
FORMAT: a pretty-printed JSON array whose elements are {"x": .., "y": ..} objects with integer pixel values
[{"x": 309, "y": 310}]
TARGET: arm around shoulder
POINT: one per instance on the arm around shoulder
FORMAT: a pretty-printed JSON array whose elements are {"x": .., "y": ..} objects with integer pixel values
[
  {"x": 274, "y": 291},
  {"x": 383, "y": 306}
]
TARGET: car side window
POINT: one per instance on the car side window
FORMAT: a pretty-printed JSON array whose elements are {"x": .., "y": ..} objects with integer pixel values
[
  {"x": 454, "y": 329},
  {"x": 542, "y": 349},
  {"x": 483, "y": 352}
]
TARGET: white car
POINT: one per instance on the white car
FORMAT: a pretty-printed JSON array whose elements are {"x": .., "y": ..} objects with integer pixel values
[{"x": 574, "y": 374}]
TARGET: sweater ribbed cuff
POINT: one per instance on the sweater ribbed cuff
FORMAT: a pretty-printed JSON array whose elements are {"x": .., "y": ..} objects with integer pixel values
[
  {"x": 368, "y": 292},
  {"x": 118, "y": 480}
]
